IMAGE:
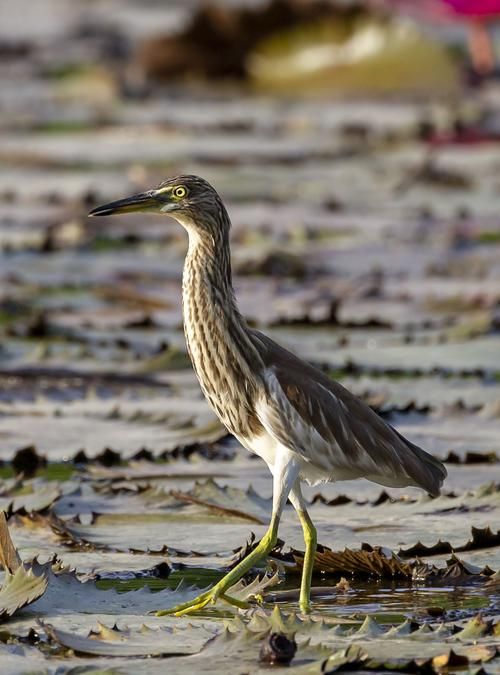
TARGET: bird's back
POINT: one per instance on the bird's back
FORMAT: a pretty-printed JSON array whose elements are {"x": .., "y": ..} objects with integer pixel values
[{"x": 332, "y": 429}]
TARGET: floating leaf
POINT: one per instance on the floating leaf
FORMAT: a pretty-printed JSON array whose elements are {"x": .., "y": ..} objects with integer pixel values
[
  {"x": 126, "y": 643},
  {"x": 481, "y": 538},
  {"x": 371, "y": 562},
  {"x": 30, "y": 498},
  {"x": 66, "y": 592},
  {"x": 215, "y": 508},
  {"x": 384, "y": 564},
  {"x": 19, "y": 590}
]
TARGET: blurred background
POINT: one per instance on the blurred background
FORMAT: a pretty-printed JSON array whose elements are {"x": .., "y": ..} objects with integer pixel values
[{"x": 356, "y": 146}]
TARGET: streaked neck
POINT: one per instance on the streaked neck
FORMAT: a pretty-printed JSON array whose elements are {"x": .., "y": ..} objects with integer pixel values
[
  {"x": 223, "y": 355},
  {"x": 207, "y": 279}
]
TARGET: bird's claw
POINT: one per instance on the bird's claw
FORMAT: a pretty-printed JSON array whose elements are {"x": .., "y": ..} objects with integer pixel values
[
  {"x": 194, "y": 605},
  {"x": 201, "y": 601}
]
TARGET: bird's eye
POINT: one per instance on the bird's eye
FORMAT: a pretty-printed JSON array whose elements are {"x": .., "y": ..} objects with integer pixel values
[{"x": 180, "y": 192}]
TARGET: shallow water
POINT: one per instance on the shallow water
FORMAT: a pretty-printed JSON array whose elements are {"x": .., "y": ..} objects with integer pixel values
[{"x": 392, "y": 603}]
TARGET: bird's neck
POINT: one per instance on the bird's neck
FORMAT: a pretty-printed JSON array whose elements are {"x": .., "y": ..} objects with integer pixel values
[
  {"x": 207, "y": 289},
  {"x": 217, "y": 336}
]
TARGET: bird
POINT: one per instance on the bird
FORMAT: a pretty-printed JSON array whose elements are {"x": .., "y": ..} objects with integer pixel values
[{"x": 303, "y": 424}]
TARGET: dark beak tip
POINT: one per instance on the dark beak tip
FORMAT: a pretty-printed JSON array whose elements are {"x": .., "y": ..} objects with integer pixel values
[{"x": 99, "y": 211}]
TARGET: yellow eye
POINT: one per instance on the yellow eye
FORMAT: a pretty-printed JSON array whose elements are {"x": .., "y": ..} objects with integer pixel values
[{"x": 180, "y": 192}]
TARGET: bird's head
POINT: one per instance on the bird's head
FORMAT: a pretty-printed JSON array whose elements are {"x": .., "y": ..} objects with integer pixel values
[{"x": 190, "y": 200}]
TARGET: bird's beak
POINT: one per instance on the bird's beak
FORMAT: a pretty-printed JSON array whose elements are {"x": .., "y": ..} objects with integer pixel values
[{"x": 144, "y": 201}]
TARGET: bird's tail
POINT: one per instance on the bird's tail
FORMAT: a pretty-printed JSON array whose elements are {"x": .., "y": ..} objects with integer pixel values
[{"x": 431, "y": 472}]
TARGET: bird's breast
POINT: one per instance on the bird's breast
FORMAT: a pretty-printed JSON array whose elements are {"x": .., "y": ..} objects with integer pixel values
[
  {"x": 227, "y": 391},
  {"x": 221, "y": 370}
]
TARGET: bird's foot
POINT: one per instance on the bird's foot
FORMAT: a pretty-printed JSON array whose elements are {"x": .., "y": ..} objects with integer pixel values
[
  {"x": 201, "y": 601},
  {"x": 211, "y": 596}
]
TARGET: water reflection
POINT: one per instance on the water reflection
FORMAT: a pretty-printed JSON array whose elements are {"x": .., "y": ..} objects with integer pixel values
[{"x": 393, "y": 601}]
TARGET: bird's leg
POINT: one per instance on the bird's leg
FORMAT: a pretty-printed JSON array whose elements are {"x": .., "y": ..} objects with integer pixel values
[
  {"x": 285, "y": 472},
  {"x": 265, "y": 545},
  {"x": 311, "y": 540}
]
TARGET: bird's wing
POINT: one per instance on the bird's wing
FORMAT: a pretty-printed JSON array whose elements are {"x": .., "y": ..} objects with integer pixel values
[{"x": 334, "y": 430}]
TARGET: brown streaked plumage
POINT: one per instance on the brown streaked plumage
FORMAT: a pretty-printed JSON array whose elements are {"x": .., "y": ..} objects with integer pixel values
[
  {"x": 349, "y": 439},
  {"x": 304, "y": 425}
]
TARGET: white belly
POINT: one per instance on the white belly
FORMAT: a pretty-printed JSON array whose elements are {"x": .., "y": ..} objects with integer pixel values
[
  {"x": 264, "y": 445},
  {"x": 268, "y": 448}
]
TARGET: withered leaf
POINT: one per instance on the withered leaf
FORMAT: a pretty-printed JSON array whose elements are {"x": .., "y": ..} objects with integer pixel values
[
  {"x": 19, "y": 590},
  {"x": 9, "y": 557},
  {"x": 126, "y": 643},
  {"x": 481, "y": 538}
]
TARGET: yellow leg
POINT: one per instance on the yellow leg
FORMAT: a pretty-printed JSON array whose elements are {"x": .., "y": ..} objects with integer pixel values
[
  {"x": 265, "y": 545},
  {"x": 285, "y": 472},
  {"x": 311, "y": 541}
]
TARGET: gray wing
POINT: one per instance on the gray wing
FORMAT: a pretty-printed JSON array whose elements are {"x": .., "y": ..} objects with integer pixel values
[{"x": 334, "y": 430}]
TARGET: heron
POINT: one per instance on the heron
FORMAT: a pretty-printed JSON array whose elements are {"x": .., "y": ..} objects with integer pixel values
[{"x": 304, "y": 425}]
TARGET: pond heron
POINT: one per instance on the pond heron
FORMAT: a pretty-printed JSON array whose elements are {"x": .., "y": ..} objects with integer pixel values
[{"x": 303, "y": 424}]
